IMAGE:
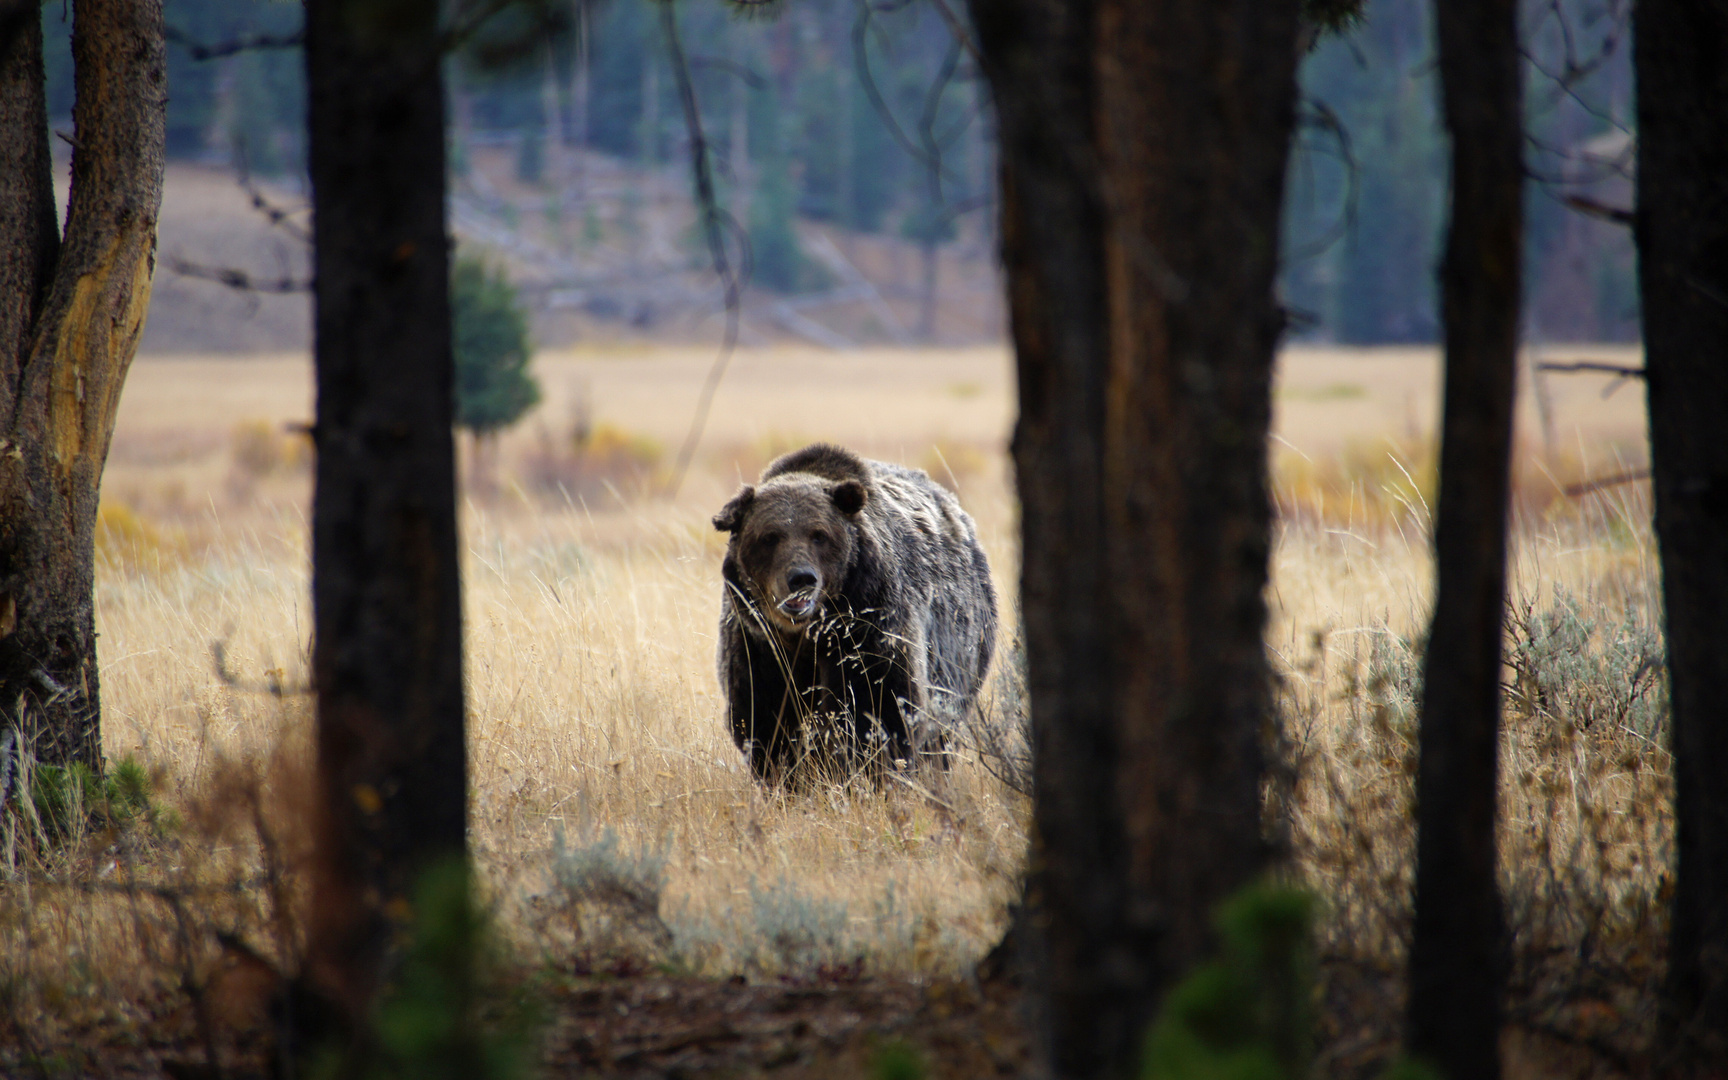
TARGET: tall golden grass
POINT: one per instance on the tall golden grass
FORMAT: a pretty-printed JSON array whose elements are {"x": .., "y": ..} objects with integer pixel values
[{"x": 615, "y": 825}]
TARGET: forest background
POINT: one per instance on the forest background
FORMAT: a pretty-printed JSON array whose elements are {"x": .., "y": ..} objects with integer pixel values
[
  {"x": 577, "y": 127},
  {"x": 583, "y": 715}
]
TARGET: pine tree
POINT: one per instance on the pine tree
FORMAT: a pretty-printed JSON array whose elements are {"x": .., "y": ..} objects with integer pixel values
[{"x": 493, "y": 385}]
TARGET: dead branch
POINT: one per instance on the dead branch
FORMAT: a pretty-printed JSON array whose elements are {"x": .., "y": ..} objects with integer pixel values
[
  {"x": 1314, "y": 114},
  {"x": 1597, "y": 366},
  {"x": 236, "y": 279},
  {"x": 747, "y": 75},
  {"x": 715, "y": 223},
  {"x": 1588, "y": 487},
  {"x": 872, "y": 92},
  {"x": 244, "y": 43},
  {"x": 1586, "y": 205},
  {"x": 959, "y": 30},
  {"x": 927, "y": 120},
  {"x": 277, "y": 216}
]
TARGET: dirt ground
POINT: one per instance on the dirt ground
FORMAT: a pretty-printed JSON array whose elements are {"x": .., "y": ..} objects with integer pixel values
[{"x": 644, "y": 1026}]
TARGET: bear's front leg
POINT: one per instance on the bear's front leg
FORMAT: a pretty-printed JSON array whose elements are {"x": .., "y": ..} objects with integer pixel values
[
  {"x": 886, "y": 697},
  {"x": 761, "y": 707}
]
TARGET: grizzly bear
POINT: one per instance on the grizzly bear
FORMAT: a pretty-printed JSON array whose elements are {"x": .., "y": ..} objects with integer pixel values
[{"x": 858, "y": 618}]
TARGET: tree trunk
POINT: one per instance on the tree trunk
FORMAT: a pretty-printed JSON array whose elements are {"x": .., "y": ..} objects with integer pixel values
[
  {"x": 387, "y": 655},
  {"x": 1457, "y": 966},
  {"x": 71, "y": 313},
  {"x": 1681, "y": 59},
  {"x": 1142, "y": 160}
]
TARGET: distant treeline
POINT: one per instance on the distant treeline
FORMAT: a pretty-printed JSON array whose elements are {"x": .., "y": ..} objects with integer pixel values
[
  {"x": 1366, "y": 272},
  {"x": 794, "y": 108}
]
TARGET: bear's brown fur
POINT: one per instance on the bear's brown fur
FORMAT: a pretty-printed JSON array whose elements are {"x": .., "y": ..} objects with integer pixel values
[{"x": 858, "y": 617}]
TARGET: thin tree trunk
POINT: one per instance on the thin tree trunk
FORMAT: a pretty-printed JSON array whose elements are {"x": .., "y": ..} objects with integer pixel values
[
  {"x": 387, "y": 654},
  {"x": 1142, "y": 160},
  {"x": 71, "y": 313},
  {"x": 1457, "y": 965},
  {"x": 1681, "y": 59}
]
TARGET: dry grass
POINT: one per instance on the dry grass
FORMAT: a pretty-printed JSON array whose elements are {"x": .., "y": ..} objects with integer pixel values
[
  {"x": 617, "y": 826},
  {"x": 1587, "y": 833}
]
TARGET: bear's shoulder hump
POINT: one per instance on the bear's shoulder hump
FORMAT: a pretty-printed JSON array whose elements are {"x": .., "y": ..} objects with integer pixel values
[{"x": 825, "y": 460}]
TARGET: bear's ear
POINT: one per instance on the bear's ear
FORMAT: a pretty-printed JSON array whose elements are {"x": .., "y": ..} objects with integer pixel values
[
  {"x": 848, "y": 496},
  {"x": 732, "y": 514}
]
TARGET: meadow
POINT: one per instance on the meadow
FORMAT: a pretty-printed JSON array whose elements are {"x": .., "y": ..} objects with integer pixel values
[{"x": 616, "y": 828}]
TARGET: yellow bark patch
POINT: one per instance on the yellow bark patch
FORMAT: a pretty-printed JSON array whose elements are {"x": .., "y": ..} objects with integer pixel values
[{"x": 98, "y": 336}]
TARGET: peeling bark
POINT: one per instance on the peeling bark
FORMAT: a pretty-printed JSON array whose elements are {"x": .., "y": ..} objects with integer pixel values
[{"x": 71, "y": 313}]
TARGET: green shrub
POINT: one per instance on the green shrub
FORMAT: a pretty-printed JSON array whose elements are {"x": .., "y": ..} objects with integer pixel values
[
  {"x": 446, "y": 1013},
  {"x": 66, "y": 799},
  {"x": 493, "y": 386},
  {"x": 1248, "y": 1015},
  {"x": 1577, "y": 663},
  {"x": 897, "y": 1060}
]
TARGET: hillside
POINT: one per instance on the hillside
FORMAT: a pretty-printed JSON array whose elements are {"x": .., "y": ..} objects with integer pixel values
[{"x": 603, "y": 252}]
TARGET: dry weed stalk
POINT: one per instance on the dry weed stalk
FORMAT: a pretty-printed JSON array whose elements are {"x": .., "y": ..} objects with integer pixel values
[
  {"x": 594, "y": 711},
  {"x": 173, "y": 922},
  {"x": 1586, "y": 830}
]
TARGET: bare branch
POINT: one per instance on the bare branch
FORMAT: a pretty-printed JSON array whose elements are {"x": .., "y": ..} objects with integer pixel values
[
  {"x": 236, "y": 279},
  {"x": 1598, "y": 366},
  {"x": 1577, "y": 491},
  {"x": 961, "y": 34},
  {"x": 465, "y": 25},
  {"x": 244, "y": 43},
  {"x": 715, "y": 223},
  {"x": 867, "y": 80},
  {"x": 749, "y": 77},
  {"x": 1575, "y": 69},
  {"x": 1586, "y": 205},
  {"x": 927, "y": 121},
  {"x": 275, "y": 215},
  {"x": 1314, "y": 114}
]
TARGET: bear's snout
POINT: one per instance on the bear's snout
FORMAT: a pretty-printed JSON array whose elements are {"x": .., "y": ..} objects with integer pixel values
[{"x": 803, "y": 593}]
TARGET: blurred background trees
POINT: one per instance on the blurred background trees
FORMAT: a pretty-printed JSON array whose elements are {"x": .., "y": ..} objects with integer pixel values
[{"x": 824, "y": 115}]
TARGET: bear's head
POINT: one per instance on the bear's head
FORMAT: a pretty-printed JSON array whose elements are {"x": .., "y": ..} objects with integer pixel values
[{"x": 793, "y": 540}]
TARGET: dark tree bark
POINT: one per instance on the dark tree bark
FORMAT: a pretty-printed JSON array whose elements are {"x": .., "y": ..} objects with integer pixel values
[
  {"x": 1681, "y": 60},
  {"x": 1457, "y": 966},
  {"x": 1142, "y": 153},
  {"x": 71, "y": 312},
  {"x": 387, "y": 656}
]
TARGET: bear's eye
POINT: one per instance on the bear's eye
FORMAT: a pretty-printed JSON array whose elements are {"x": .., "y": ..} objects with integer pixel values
[
  {"x": 819, "y": 538},
  {"x": 768, "y": 541}
]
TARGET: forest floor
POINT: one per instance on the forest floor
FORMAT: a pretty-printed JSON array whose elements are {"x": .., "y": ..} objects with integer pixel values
[{"x": 831, "y": 934}]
